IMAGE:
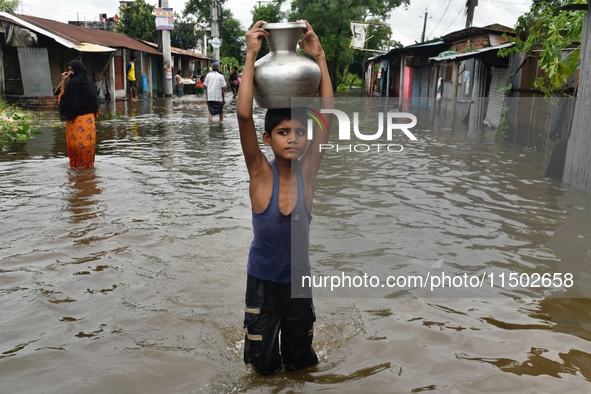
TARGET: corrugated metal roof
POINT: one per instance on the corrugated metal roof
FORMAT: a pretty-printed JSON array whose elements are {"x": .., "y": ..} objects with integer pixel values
[
  {"x": 75, "y": 35},
  {"x": 468, "y": 55},
  {"x": 415, "y": 49},
  {"x": 11, "y": 18},
  {"x": 426, "y": 47},
  {"x": 428, "y": 44}
]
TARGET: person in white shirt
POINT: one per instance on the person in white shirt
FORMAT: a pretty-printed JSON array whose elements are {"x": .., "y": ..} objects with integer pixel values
[{"x": 215, "y": 85}]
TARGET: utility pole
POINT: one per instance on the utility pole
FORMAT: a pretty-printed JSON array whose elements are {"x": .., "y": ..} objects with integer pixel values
[
  {"x": 164, "y": 46},
  {"x": 216, "y": 21},
  {"x": 470, "y": 5},
  {"x": 425, "y": 27}
]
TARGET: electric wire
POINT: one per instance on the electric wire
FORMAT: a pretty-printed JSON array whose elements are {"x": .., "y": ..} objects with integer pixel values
[{"x": 443, "y": 14}]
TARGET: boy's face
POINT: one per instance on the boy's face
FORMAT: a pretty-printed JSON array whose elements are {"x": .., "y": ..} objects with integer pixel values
[{"x": 288, "y": 139}]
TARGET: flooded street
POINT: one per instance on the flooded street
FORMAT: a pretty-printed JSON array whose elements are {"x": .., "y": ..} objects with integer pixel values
[{"x": 130, "y": 277}]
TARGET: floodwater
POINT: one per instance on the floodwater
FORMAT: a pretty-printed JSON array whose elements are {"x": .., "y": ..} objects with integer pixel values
[{"x": 129, "y": 278}]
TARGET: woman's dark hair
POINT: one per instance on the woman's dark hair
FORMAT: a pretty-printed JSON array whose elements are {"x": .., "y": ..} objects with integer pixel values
[{"x": 274, "y": 116}]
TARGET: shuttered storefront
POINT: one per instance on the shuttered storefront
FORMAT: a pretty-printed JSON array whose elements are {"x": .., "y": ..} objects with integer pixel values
[
  {"x": 422, "y": 87},
  {"x": 34, "y": 65},
  {"x": 416, "y": 87},
  {"x": 496, "y": 97},
  {"x": 426, "y": 89}
]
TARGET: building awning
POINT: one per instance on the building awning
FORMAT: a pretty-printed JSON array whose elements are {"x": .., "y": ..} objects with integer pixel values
[
  {"x": 36, "y": 29},
  {"x": 469, "y": 55},
  {"x": 88, "y": 47}
]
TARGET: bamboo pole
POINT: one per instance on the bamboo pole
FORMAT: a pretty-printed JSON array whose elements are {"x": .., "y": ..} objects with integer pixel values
[{"x": 105, "y": 68}]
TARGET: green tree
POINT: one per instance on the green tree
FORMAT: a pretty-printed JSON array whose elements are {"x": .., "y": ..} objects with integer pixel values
[
  {"x": 231, "y": 33},
  {"x": 556, "y": 35},
  {"x": 230, "y": 62},
  {"x": 270, "y": 13},
  {"x": 201, "y": 9},
  {"x": 138, "y": 21},
  {"x": 331, "y": 21},
  {"x": 379, "y": 34},
  {"x": 233, "y": 44},
  {"x": 9, "y": 5},
  {"x": 183, "y": 36}
]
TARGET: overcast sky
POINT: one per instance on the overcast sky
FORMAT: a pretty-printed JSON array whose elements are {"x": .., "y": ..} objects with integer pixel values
[{"x": 444, "y": 16}]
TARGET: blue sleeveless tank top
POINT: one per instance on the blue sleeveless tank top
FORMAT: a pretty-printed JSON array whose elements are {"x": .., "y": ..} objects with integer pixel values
[{"x": 280, "y": 241}]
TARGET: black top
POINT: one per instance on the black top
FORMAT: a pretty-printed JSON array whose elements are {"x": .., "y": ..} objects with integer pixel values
[
  {"x": 80, "y": 95},
  {"x": 198, "y": 77}
]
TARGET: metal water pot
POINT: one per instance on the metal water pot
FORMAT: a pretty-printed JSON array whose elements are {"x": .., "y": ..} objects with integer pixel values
[{"x": 283, "y": 73}]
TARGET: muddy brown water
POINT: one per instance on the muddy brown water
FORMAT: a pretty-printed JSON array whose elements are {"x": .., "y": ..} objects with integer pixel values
[{"x": 129, "y": 278}]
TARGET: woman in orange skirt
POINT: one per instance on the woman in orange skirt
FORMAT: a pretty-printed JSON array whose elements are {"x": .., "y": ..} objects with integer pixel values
[{"x": 79, "y": 107}]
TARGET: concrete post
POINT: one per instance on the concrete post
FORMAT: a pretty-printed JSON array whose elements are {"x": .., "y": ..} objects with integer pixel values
[
  {"x": 167, "y": 59},
  {"x": 577, "y": 166}
]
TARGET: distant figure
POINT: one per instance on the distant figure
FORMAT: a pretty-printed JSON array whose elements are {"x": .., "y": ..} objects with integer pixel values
[
  {"x": 439, "y": 88},
  {"x": 102, "y": 88},
  {"x": 79, "y": 106},
  {"x": 178, "y": 84},
  {"x": 215, "y": 84},
  {"x": 198, "y": 78},
  {"x": 235, "y": 82},
  {"x": 131, "y": 79}
]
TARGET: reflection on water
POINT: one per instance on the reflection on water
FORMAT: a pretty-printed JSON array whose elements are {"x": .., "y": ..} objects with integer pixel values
[
  {"x": 130, "y": 277},
  {"x": 84, "y": 192}
]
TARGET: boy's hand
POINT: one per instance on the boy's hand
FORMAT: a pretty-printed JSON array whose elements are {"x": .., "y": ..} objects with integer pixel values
[
  {"x": 254, "y": 36},
  {"x": 310, "y": 43}
]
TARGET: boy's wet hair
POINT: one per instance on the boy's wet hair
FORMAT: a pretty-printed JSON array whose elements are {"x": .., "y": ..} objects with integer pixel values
[{"x": 274, "y": 116}]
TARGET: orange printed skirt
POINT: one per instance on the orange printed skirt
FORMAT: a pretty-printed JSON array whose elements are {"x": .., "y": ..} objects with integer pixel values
[{"x": 81, "y": 139}]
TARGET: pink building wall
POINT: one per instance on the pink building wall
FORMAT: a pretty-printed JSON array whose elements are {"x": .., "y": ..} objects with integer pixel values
[{"x": 407, "y": 83}]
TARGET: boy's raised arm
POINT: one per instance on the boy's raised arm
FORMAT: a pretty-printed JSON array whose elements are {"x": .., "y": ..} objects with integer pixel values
[
  {"x": 248, "y": 137},
  {"x": 311, "y": 45}
]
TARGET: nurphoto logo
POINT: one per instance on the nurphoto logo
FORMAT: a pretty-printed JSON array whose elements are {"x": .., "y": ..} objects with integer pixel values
[{"x": 391, "y": 120}]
